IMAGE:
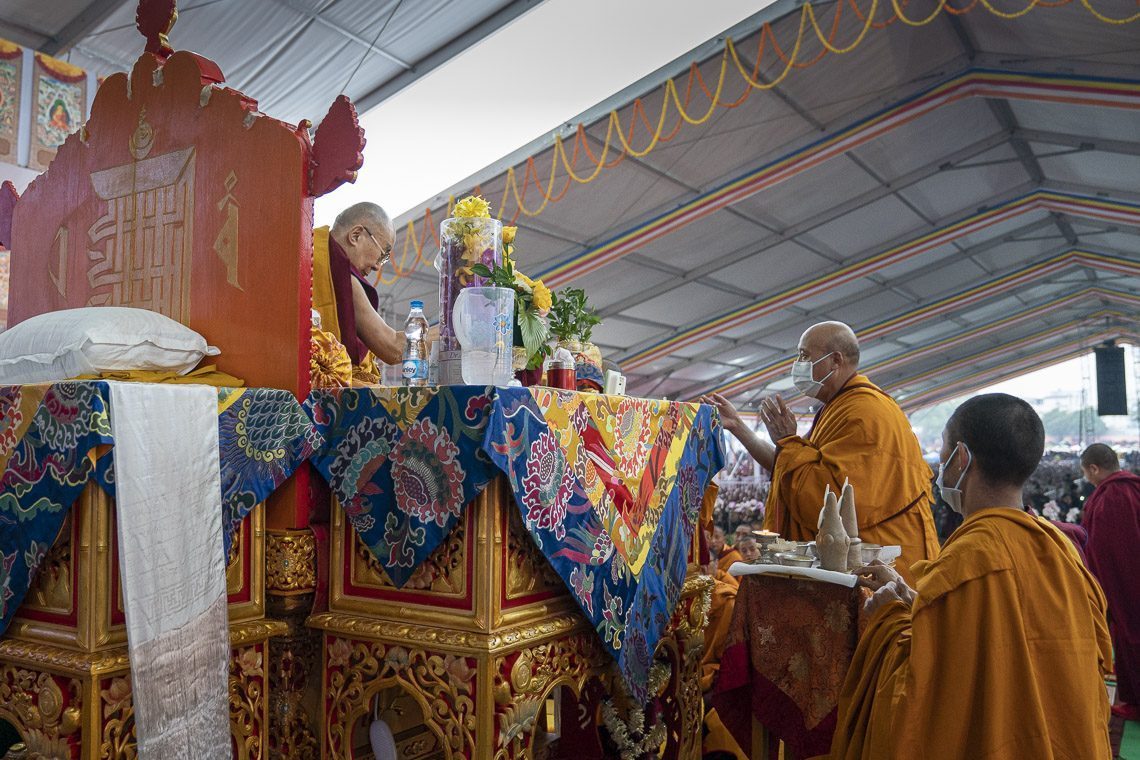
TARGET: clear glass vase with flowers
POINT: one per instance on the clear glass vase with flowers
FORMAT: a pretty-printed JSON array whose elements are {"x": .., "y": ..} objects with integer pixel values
[{"x": 469, "y": 237}]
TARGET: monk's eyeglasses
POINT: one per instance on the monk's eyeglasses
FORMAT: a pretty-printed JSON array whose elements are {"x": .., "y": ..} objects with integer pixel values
[{"x": 386, "y": 251}]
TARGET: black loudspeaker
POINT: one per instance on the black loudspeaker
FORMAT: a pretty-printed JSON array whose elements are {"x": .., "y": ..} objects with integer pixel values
[{"x": 1111, "y": 397}]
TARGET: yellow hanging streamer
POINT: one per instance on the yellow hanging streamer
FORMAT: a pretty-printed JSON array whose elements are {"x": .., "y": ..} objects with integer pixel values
[{"x": 561, "y": 163}]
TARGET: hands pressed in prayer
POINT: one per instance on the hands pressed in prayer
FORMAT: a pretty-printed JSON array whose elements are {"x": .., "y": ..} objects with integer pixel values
[
  {"x": 777, "y": 417},
  {"x": 762, "y": 451}
]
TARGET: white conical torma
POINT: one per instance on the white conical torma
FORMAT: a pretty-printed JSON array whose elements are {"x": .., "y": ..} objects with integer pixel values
[
  {"x": 847, "y": 510},
  {"x": 832, "y": 541}
]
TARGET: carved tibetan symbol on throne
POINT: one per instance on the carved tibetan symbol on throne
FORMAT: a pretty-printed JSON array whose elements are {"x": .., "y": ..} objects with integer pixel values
[
  {"x": 142, "y": 245},
  {"x": 179, "y": 197}
]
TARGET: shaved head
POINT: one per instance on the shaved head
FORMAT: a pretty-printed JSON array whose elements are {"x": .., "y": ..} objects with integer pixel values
[
  {"x": 1102, "y": 456},
  {"x": 748, "y": 548},
  {"x": 827, "y": 337},
  {"x": 1005, "y": 437},
  {"x": 365, "y": 214}
]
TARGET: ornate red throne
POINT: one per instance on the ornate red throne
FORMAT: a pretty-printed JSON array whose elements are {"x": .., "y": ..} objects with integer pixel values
[{"x": 180, "y": 197}]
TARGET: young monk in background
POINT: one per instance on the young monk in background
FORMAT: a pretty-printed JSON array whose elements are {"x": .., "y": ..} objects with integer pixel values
[
  {"x": 1000, "y": 648},
  {"x": 1112, "y": 519},
  {"x": 720, "y": 610}
]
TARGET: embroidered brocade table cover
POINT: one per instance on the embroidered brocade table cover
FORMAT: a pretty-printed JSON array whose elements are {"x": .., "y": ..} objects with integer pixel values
[
  {"x": 609, "y": 487},
  {"x": 263, "y": 434},
  {"x": 785, "y": 658},
  {"x": 403, "y": 462},
  {"x": 49, "y": 436}
]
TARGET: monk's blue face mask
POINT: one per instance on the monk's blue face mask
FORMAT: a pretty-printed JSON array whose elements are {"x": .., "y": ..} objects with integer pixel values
[{"x": 953, "y": 495}]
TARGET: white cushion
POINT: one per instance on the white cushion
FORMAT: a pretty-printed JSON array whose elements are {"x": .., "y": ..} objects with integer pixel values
[{"x": 63, "y": 344}]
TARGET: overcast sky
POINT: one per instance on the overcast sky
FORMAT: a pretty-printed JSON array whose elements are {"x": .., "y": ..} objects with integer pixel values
[
  {"x": 524, "y": 81},
  {"x": 1061, "y": 385}
]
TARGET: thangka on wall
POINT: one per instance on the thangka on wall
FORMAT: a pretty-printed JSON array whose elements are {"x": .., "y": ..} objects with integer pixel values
[
  {"x": 60, "y": 104},
  {"x": 11, "y": 69}
]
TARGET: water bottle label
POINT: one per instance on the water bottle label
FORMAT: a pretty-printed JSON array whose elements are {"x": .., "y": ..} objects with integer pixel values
[{"x": 415, "y": 369}]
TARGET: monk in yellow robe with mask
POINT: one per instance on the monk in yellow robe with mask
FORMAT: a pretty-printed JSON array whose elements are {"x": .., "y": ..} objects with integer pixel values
[
  {"x": 1000, "y": 648},
  {"x": 860, "y": 434}
]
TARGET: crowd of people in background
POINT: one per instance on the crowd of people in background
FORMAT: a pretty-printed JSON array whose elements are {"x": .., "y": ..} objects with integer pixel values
[
  {"x": 739, "y": 503},
  {"x": 1056, "y": 491}
]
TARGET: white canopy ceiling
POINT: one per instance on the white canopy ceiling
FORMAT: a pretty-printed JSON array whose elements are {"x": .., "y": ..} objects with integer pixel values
[
  {"x": 294, "y": 56},
  {"x": 963, "y": 193}
]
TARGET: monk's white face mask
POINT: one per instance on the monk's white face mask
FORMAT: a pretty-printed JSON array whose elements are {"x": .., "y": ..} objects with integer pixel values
[
  {"x": 803, "y": 376},
  {"x": 953, "y": 495}
]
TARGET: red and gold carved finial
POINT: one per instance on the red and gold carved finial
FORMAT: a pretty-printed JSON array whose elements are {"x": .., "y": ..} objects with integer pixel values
[
  {"x": 154, "y": 20},
  {"x": 338, "y": 148}
]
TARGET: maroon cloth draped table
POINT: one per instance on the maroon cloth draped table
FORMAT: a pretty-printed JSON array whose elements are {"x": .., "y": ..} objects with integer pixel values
[{"x": 787, "y": 652}]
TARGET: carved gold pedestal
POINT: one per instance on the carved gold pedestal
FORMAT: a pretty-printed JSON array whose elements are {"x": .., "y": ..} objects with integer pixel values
[
  {"x": 294, "y": 658},
  {"x": 64, "y": 671},
  {"x": 467, "y": 659},
  {"x": 69, "y": 704}
]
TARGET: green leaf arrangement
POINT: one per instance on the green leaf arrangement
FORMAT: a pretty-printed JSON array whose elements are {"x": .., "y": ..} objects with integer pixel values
[{"x": 571, "y": 315}]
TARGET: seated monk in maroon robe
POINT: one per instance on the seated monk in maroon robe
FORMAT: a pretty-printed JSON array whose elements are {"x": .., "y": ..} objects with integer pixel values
[
  {"x": 358, "y": 244},
  {"x": 1112, "y": 519}
]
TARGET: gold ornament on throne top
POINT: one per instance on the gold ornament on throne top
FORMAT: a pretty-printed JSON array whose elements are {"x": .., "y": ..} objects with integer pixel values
[
  {"x": 154, "y": 19},
  {"x": 142, "y": 139}
]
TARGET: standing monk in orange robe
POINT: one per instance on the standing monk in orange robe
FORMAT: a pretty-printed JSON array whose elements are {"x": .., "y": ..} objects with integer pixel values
[
  {"x": 859, "y": 434},
  {"x": 1000, "y": 648},
  {"x": 1112, "y": 519}
]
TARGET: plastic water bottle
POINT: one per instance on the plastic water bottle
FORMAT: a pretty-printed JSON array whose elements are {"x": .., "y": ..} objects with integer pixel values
[{"x": 415, "y": 346}]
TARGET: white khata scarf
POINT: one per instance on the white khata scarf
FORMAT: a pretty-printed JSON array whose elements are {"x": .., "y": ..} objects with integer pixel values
[{"x": 169, "y": 516}]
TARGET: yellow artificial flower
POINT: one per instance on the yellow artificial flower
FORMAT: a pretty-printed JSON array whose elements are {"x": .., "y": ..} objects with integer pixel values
[
  {"x": 524, "y": 282},
  {"x": 509, "y": 235},
  {"x": 472, "y": 246},
  {"x": 542, "y": 298},
  {"x": 473, "y": 206}
]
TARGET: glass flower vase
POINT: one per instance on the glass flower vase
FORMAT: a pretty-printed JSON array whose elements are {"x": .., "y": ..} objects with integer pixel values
[{"x": 463, "y": 242}]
